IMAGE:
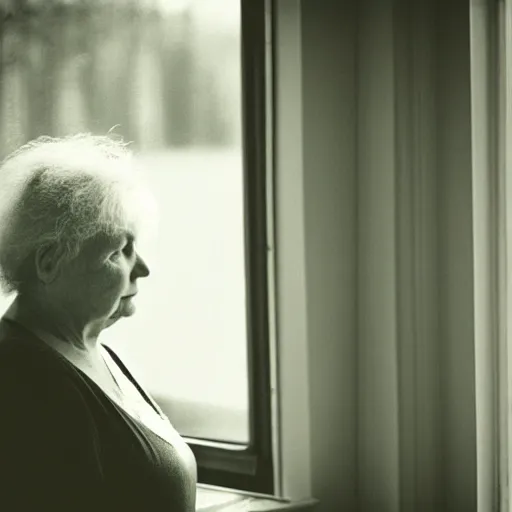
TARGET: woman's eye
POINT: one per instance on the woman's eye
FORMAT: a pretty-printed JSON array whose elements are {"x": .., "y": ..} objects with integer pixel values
[
  {"x": 128, "y": 249},
  {"x": 115, "y": 255}
]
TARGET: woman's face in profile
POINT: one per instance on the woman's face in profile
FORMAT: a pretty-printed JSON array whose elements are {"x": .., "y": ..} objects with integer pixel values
[{"x": 99, "y": 284}]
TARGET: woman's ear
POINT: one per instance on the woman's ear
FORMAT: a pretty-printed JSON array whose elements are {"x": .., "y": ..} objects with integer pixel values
[{"x": 48, "y": 259}]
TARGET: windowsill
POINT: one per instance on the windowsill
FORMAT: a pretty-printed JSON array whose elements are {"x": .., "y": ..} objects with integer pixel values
[{"x": 213, "y": 499}]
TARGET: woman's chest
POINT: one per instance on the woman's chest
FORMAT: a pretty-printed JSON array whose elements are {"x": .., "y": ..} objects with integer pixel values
[
  {"x": 141, "y": 450},
  {"x": 143, "y": 469}
]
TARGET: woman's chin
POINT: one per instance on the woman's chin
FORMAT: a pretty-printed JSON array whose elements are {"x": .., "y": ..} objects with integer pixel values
[{"x": 110, "y": 321}]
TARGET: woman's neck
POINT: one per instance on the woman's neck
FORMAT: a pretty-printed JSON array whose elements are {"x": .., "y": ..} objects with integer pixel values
[{"x": 54, "y": 328}]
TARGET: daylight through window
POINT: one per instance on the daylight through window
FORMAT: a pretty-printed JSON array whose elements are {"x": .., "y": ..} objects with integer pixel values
[{"x": 167, "y": 74}]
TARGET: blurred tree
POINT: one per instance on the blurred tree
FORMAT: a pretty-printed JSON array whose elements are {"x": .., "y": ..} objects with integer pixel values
[{"x": 70, "y": 65}]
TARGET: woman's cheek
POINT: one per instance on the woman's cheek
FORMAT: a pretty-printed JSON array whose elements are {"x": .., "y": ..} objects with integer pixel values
[{"x": 110, "y": 283}]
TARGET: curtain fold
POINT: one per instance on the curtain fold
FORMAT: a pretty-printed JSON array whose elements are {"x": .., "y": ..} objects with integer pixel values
[{"x": 417, "y": 421}]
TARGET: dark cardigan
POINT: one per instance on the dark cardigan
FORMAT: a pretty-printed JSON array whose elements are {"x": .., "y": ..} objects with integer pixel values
[{"x": 65, "y": 445}]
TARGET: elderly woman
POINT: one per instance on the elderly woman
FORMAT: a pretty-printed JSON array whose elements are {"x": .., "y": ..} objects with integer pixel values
[{"x": 77, "y": 431}]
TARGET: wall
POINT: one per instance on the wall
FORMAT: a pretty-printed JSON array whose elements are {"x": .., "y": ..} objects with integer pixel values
[
  {"x": 330, "y": 199},
  {"x": 315, "y": 106}
]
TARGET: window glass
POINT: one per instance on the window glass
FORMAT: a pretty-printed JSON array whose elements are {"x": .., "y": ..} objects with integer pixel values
[{"x": 166, "y": 74}]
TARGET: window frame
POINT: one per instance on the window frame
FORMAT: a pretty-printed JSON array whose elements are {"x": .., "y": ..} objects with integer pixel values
[
  {"x": 504, "y": 250},
  {"x": 250, "y": 467}
]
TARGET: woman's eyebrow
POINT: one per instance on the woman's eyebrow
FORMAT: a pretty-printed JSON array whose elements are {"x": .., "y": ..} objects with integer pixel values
[{"x": 122, "y": 236}]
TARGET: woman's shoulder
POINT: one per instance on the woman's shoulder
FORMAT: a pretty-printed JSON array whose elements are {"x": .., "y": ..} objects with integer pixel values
[
  {"x": 30, "y": 372},
  {"x": 19, "y": 354},
  {"x": 22, "y": 353}
]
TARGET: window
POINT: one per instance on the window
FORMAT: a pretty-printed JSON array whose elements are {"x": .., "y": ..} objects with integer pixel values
[{"x": 184, "y": 80}]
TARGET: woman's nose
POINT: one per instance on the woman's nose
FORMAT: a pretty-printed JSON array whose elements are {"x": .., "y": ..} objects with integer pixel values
[{"x": 140, "y": 269}]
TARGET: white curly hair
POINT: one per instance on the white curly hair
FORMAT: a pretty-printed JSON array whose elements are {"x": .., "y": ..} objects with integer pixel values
[{"x": 65, "y": 191}]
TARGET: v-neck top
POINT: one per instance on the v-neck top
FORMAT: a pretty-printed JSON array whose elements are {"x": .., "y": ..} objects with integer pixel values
[
  {"x": 136, "y": 401},
  {"x": 66, "y": 445}
]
